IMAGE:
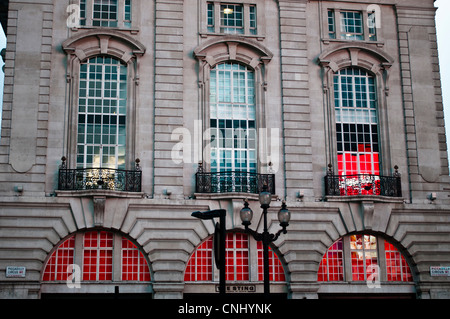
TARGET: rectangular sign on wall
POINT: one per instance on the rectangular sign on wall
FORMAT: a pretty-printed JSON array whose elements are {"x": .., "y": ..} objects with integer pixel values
[
  {"x": 440, "y": 271},
  {"x": 15, "y": 272}
]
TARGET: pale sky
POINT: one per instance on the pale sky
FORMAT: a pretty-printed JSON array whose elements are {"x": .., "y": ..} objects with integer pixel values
[{"x": 443, "y": 31}]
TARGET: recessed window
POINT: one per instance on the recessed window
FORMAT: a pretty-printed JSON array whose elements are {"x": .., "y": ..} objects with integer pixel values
[
  {"x": 233, "y": 119},
  {"x": 231, "y": 18},
  {"x": 358, "y": 149},
  {"x": 105, "y": 13},
  {"x": 354, "y": 258},
  {"x": 102, "y": 114},
  {"x": 351, "y": 25},
  {"x": 98, "y": 252},
  {"x": 238, "y": 260}
]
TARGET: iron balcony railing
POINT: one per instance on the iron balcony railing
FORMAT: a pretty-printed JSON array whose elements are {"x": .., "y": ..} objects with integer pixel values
[
  {"x": 100, "y": 178},
  {"x": 363, "y": 184},
  {"x": 233, "y": 181}
]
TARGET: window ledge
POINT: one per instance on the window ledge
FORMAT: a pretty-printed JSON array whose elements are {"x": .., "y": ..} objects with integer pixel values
[
  {"x": 212, "y": 34},
  {"x": 231, "y": 195},
  {"x": 365, "y": 198},
  {"x": 379, "y": 44},
  {"x": 129, "y": 29},
  {"x": 99, "y": 193}
]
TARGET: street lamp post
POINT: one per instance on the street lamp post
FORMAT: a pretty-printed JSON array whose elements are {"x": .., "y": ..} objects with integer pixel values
[
  {"x": 219, "y": 235},
  {"x": 265, "y": 237}
]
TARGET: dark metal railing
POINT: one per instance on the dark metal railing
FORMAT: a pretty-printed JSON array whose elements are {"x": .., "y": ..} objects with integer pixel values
[
  {"x": 234, "y": 181},
  {"x": 99, "y": 178},
  {"x": 363, "y": 184}
]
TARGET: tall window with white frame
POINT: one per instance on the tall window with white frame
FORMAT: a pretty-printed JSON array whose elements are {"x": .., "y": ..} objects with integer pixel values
[
  {"x": 102, "y": 106},
  {"x": 358, "y": 149},
  {"x": 233, "y": 120}
]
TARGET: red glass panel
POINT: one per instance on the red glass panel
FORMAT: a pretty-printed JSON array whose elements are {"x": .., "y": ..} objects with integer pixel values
[
  {"x": 331, "y": 266},
  {"x": 61, "y": 258},
  {"x": 276, "y": 271},
  {"x": 134, "y": 264},
  {"x": 97, "y": 256},
  {"x": 237, "y": 257},
  {"x": 199, "y": 267},
  {"x": 397, "y": 268}
]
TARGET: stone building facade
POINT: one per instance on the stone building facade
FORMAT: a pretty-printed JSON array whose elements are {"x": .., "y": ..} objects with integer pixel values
[{"x": 122, "y": 117}]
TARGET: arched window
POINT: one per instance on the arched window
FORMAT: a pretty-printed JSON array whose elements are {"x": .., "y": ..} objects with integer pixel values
[
  {"x": 102, "y": 111},
  {"x": 355, "y": 101},
  {"x": 239, "y": 257},
  {"x": 102, "y": 77},
  {"x": 233, "y": 81},
  {"x": 98, "y": 250},
  {"x": 354, "y": 258},
  {"x": 233, "y": 119}
]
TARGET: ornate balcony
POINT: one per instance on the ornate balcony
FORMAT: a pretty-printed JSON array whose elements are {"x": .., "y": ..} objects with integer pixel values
[
  {"x": 363, "y": 184},
  {"x": 81, "y": 179},
  {"x": 233, "y": 182}
]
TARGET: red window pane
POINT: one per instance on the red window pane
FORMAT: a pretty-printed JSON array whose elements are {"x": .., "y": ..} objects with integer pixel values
[
  {"x": 62, "y": 257},
  {"x": 237, "y": 257},
  {"x": 276, "y": 270},
  {"x": 200, "y": 265},
  {"x": 397, "y": 268},
  {"x": 331, "y": 266},
  {"x": 134, "y": 264},
  {"x": 97, "y": 256}
]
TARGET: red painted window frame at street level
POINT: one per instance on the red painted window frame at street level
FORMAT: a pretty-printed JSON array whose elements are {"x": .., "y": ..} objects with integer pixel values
[
  {"x": 276, "y": 271},
  {"x": 331, "y": 267},
  {"x": 98, "y": 256},
  {"x": 56, "y": 268},
  {"x": 134, "y": 265},
  {"x": 397, "y": 267},
  {"x": 98, "y": 251},
  {"x": 200, "y": 265},
  {"x": 364, "y": 253}
]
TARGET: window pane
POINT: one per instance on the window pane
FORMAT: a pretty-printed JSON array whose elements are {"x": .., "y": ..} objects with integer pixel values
[
  {"x": 231, "y": 19},
  {"x": 61, "y": 258},
  {"x": 105, "y": 13},
  {"x": 363, "y": 255},
  {"x": 232, "y": 120},
  {"x": 331, "y": 267},
  {"x": 331, "y": 25},
  {"x": 134, "y": 264},
  {"x": 356, "y": 123},
  {"x": 352, "y": 25},
  {"x": 97, "y": 256},
  {"x": 210, "y": 17},
  {"x": 397, "y": 268},
  {"x": 98, "y": 116}
]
